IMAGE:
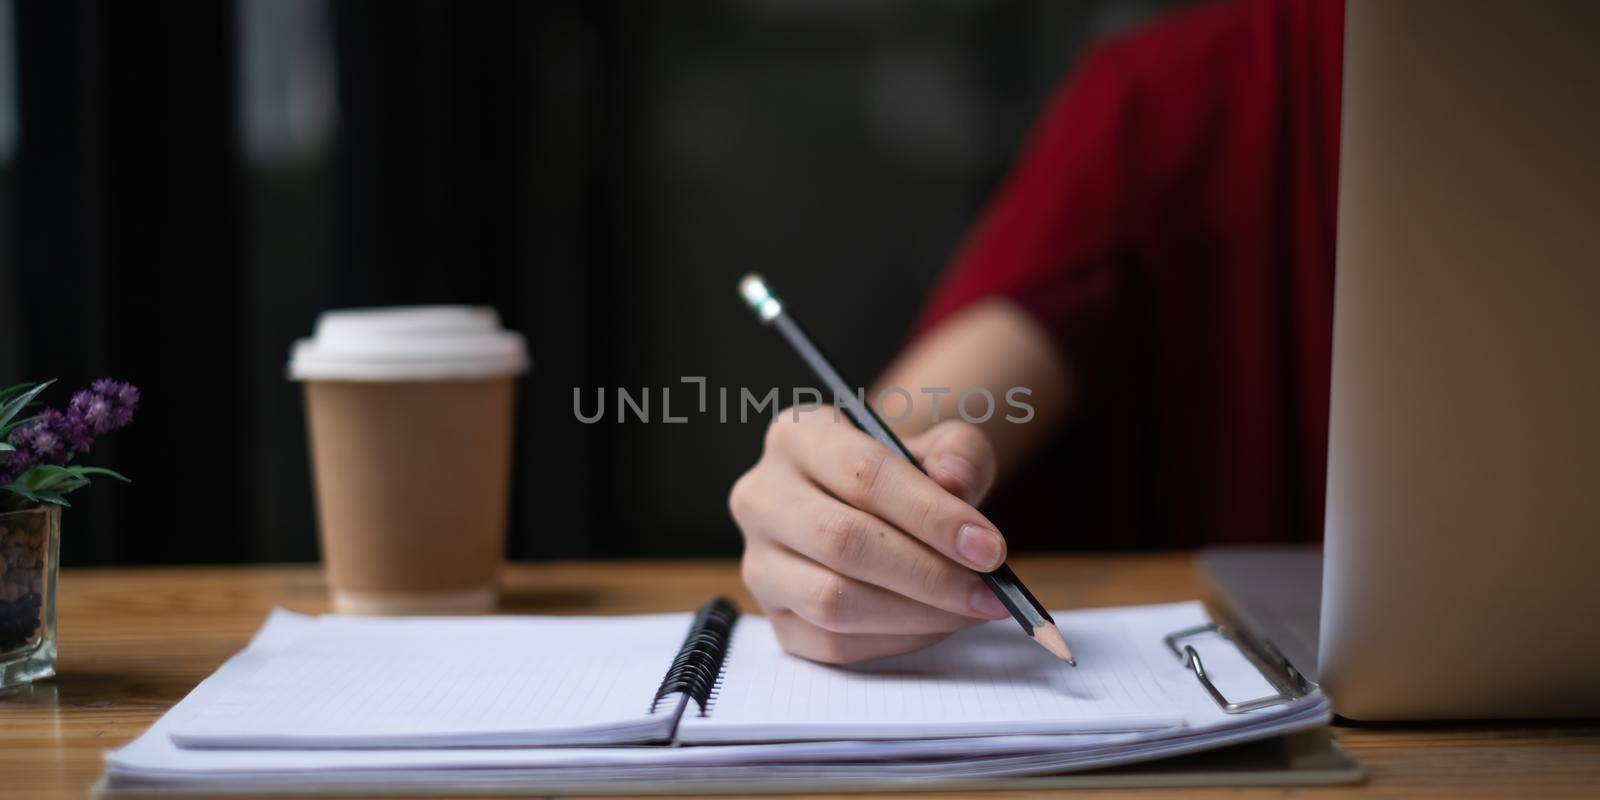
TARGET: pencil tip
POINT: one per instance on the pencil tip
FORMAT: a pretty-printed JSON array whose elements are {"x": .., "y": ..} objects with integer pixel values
[{"x": 1049, "y": 637}]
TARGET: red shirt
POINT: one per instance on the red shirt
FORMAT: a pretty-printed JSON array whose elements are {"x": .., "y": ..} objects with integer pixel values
[{"x": 1171, "y": 222}]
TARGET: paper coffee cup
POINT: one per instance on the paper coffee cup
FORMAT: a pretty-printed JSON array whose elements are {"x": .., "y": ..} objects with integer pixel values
[{"x": 410, "y": 422}]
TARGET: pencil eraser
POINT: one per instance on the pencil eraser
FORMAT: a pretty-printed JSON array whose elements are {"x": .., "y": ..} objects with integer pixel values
[{"x": 756, "y": 294}]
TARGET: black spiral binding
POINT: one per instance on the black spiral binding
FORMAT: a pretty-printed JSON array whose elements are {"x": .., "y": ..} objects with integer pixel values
[{"x": 697, "y": 671}]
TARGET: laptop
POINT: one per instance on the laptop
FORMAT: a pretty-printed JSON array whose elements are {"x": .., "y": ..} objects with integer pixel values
[{"x": 1460, "y": 571}]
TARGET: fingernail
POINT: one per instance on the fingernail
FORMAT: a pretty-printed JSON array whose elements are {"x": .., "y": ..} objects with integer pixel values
[
  {"x": 979, "y": 546},
  {"x": 959, "y": 470},
  {"x": 984, "y": 602}
]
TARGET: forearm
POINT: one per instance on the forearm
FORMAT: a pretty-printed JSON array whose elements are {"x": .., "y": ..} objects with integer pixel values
[{"x": 991, "y": 345}]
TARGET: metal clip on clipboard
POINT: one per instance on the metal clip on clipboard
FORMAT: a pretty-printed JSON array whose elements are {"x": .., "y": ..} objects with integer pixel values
[{"x": 1287, "y": 680}]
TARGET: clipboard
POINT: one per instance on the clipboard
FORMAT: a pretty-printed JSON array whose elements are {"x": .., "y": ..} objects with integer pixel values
[
  {"x": 1311, "y": 758},
  {"x": 1288, "y": 683},
  {"x": 1294, "y": 756}
]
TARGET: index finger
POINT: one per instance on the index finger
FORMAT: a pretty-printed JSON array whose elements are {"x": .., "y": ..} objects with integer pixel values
[{"x": 852, "y": 467}]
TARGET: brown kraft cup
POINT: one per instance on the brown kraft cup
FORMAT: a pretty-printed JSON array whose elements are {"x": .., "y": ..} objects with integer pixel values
[{"x": 412, "y": 475}]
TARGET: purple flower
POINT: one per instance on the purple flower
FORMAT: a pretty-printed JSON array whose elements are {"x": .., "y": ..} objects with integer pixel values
[
  {"x": 49, "y": 437},
  {"x": 74, "y": 427},
  {"x": 17, "y": 462},
  {"x": 55, "y": 437},
  {"x": 93, "y": 410},
  {"x": 126, "y": 394},
  {"x": 122, "y": 397}
]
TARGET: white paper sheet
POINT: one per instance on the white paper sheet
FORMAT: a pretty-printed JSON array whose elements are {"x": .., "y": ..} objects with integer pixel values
[
  {"x": 360, "y": 682},
  {"x": 989, "y": 680}
]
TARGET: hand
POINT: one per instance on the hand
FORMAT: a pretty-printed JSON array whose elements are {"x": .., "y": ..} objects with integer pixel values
[{"x": 853, "y": 552}]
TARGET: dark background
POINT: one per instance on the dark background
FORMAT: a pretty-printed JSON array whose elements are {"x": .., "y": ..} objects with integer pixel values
[{"x": 183, "y": 186}]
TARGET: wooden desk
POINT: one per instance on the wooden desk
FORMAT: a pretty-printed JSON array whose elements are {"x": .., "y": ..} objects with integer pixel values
[{"x": 135, "y": 641}]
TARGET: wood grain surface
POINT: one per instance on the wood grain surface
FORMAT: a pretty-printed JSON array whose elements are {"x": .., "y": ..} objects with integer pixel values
[{"x": 135, "y": 641}]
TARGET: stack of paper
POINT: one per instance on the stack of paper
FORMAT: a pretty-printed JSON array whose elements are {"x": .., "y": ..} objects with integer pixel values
[{"x": 475, "y": 704}]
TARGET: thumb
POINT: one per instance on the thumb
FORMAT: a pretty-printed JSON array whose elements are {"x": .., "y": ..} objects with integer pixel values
[{"x": 959, "y": 457}]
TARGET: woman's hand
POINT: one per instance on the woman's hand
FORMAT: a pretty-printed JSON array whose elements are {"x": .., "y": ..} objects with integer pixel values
[{"x": 853, "y": 552}]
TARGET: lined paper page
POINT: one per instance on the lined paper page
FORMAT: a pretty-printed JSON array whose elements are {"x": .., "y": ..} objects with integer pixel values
[
  {"x": 468, "y": 680},
  {"x": 985, "y": 681}
]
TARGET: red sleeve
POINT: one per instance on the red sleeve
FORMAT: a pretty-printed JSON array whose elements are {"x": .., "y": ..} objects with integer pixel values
[
  {"x": 1171, "y": 223},
  {"x": 1047, "y": 239},
  {"x": 1159, "y": 136}
]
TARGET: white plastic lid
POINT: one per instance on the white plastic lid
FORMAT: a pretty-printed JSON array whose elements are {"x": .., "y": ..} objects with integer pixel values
[{"x": 409, "y": 343}]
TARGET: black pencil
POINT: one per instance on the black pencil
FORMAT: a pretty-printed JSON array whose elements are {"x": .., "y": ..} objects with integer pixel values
[{"x": 1005, "y": 584}]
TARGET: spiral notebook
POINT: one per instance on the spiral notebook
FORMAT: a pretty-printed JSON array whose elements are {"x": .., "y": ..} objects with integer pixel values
[{"x": 711, "y": 677}]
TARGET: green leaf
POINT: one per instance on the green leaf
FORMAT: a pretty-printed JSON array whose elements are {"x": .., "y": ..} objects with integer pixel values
[
  {"x": 51, "y": 478},
  {"x": 17, "y": 488},
  {"x": 5, "y": 447},
  {"x": 13, "y": 406},
  {"x": 102, "y": 471},
  {"x": 48, "y": 480},
  {"x": 12, "y": 391},
  {"x": 33, "y": 476},
  {"x": 20, "y": 488},
  {"x": 54, "y": 499},
  {"x": 59, "y": 484}
]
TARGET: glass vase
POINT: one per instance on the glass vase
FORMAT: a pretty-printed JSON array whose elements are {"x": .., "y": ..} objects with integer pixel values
[{"x": 30, "y": 545}]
